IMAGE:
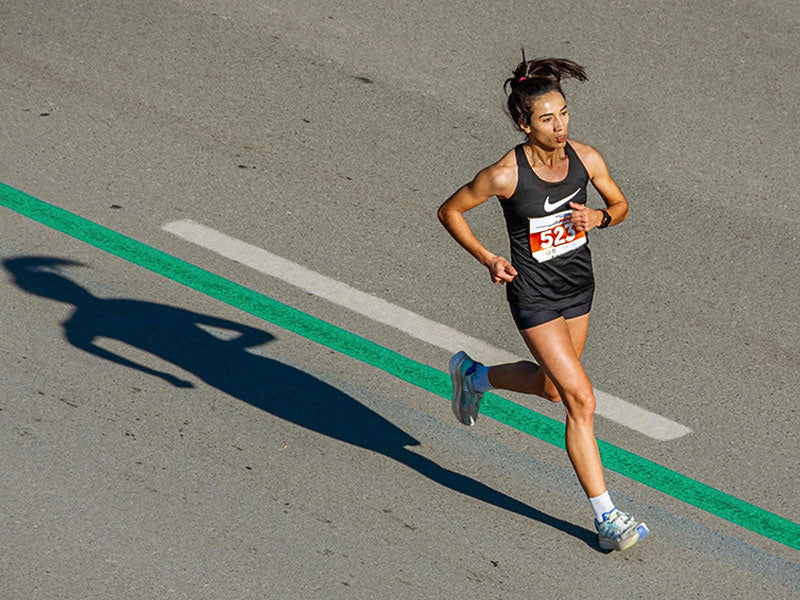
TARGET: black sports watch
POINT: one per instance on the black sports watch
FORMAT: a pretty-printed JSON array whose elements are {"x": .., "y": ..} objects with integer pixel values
[{"x": 606, "y": 219}]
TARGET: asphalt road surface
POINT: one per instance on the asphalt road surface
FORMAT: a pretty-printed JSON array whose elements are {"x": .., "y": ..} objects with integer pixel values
[{"x": 159, "y": 443}]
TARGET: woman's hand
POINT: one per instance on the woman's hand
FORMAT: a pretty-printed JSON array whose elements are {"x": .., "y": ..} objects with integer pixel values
[
  {"x": 584, "y": 218},
  {"x": 501, "y": 270}
]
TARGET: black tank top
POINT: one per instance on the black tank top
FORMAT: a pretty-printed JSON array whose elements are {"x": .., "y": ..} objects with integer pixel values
[{"x": 553, "y": 261}]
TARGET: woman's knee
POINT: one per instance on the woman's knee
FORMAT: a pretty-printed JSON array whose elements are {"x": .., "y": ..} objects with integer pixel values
[
  {"x": 580, "y": 403},
  {"x": 544, "y": 387},
  {"x": 550, "y": 392}
]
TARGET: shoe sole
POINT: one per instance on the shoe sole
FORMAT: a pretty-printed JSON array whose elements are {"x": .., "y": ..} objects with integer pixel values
[
  {"x": 455, "y": 374},
  {"x": 641, "y": 532}
]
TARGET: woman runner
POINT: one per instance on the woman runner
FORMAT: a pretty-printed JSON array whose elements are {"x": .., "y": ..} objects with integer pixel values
[{"x": 541, "y": 186}]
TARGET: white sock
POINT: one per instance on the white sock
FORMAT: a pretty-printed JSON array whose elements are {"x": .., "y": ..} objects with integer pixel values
[
  {"x": 480, "y": 380},
  {"x": 601, "y": 504}
]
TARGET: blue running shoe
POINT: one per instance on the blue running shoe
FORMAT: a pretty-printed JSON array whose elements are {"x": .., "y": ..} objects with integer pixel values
[
  {"x": 466, "y": 400},
  {"x": 618, "y": 530}
]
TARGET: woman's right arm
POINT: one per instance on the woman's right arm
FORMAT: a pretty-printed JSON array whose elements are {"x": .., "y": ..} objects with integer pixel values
[{"x": 495, "y": 180}]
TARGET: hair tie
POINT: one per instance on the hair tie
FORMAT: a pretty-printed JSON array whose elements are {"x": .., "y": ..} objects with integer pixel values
[{"x": 522, "y": 79}]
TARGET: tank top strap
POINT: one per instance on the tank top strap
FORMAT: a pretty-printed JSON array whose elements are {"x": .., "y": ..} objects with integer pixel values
[{"x": 575, "y": 162}]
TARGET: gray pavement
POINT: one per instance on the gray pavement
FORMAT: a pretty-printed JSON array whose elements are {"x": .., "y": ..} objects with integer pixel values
[{"x": 329, "y": 135}]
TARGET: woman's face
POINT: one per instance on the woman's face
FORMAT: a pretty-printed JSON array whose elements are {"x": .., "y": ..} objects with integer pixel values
[{"x": 549, "y": 120}]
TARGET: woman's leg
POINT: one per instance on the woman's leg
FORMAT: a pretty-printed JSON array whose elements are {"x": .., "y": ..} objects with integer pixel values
[
  {"x": 527, "y": 377},
  {"x": 552, "y": 346},
  {"x": 557, "y": 346}
]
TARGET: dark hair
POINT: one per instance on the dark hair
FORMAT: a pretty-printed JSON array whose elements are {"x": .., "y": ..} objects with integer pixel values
[{"x": 532, "y": 78}]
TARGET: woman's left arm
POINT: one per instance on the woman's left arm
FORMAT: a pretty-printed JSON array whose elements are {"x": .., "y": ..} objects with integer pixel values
[{"x": 585, "y": 218}]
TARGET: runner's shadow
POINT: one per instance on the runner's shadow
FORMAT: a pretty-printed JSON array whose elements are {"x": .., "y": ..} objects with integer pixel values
[{"x": 176, "y": 335}]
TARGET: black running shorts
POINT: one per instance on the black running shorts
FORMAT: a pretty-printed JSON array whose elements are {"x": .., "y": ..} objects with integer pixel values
[{"x": 525, "y": 319}]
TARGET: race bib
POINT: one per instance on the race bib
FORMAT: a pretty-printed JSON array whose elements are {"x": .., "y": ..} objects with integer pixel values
[{"x": 554, "y": 235}]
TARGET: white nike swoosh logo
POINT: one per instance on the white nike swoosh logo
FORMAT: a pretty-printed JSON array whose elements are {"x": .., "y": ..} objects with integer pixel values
[{"x": 551, "y": 207}]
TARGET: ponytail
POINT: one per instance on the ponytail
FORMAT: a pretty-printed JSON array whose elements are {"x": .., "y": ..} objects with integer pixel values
[{"x": 532, "y": 78}]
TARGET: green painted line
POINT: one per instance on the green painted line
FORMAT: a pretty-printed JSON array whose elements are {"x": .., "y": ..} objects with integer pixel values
[{"x": 437, "y": 382}]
